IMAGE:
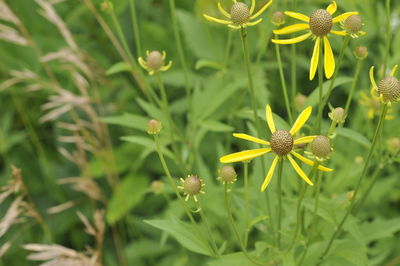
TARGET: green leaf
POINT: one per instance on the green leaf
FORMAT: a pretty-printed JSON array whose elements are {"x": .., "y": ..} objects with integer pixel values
[
  {"x": 148, "y": 143},
  {"x": 233, "y": 259},
  {"x": 127, "y": 120},
  {"x": 202, "y": 63},
  {"x": 118, "y": 67},
  {"x": 353, "y": 135},
  {"x": 379, "y": 229},
  {"x": 129, "y": 193},
  {"x": 313, "y": 99},
  {"x": 214, "y": 125},
  {"x": 349, "y": 252},
  {"x": 184, "y": 233}
]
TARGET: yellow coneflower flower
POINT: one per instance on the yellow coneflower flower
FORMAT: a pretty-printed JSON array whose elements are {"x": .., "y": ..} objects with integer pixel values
[
  {"x": 373, "y": 104},
  {"x": 154, "y": 62},
  {"x": 318, "y": 25},
  {"x": 388, "y": 89},
  {"x": 240, "y": 15},
  {"x": 281, "y": 143}
]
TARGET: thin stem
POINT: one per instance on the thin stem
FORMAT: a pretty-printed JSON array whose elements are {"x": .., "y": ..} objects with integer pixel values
[
  {"x": 283, "y": 81},
  {"x": 135, "y": 26},
  {"x": 314, "y": 218},
  {"x": 388, "y": 37},
  {"x": 246, "y": 198},
  {"x": 353, "y": 86},
  {"x": 228, "y": 48},
  {"x": 332, "y": 82},
  {"x": 364, "y": 172},
  {"x": 279, "y": 191},
  {"x": 234, "y": 227},
  {"x": 320, "y": 82},
  {"x": 293, "y": 57},
  {"x": 208, "y": 228},
  {"x": 178, "y": 195}
]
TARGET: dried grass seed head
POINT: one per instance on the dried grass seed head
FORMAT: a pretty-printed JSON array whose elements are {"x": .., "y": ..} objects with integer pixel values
[
  {"x": 240, "y": 13},
  {"x": 321, "y": 22},
  {"x": 281, "y": 142}
]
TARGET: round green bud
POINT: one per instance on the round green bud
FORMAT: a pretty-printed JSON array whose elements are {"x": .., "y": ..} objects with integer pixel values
[
  {"x": 321, "y": 146},
  {"x": 361, "y": 52},
  {"x": 278, "y": 18},
  {"x": 227, "y": 174},
  {"x": 192, "y": 185},
  {"x": 353, "y": 24},
  {"x": 154, "y": 127},
  {"x": 154, "y": 60}
]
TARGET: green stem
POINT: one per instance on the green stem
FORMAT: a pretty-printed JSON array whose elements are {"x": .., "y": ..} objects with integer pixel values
[
  {"x": 279, "y": 191},
  {"x": 135, "y": 26},
  {"x": 313, "y": 220},
  {"x": 293, "y": 57},
  {"x": 178, "y": 195},
  {"x": 283, "y": 82},
  {"x": 364, "y": 172},
  {"x": 353, "y": 86},
  {"x": 332, "y": 82},
  {"x": 234, "y": 227},
  {"x": 228, "y": 48},
  {"x": 207, "y": 224},
  {"x": 246, "y": 198},
  {"x": 388, "y": 37}
]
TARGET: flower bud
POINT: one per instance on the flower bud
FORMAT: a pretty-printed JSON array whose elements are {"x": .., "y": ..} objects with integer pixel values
[
  {"x": 321, "y": 147},
  {"x": 157, "y": 187},
  {"x": 107, "y": 6},
  {"x": 278, "y": 18},
  {"x": 350, "y": 195},
  {"x": 154, "y": 60},
  {"x": 338, "y": 115},
  {"x": 393, "y": 145},
  {"x": 361, "y": 52},
  {"x": 300, "y": 101},
  {"x": 227, "y": 174},
  {"x": 359, "y": 160},
  {"x": 154, "y": 127},
  {"x": 353, "y": 24},
  {"x": 192, "y": 186}
]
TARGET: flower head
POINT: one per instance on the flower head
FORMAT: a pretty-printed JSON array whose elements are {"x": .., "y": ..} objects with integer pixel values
[
  {"x": 337, "y": 115},
  {"x": 281, "y": 143},
  {"x": 321, "y": 147},
  {"x": 192, "y": 186},
  {"x": 240, "y": 15},
  {"x": 318, "y": 25},
  {"x": 352, "y": 26},
  {"x": 154, "y": 62},
  {"x": 227, "y": 175},
  {"x": 373, "y": 103},
  {"x": 388, "y": 88}
]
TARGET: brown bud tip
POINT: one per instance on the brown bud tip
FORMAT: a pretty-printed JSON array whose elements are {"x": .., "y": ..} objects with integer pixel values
[
  {"x": 338, "y": 115},
  {"x": 361, "y": 52},
  {"x": 278, "y": 18},
  {"x": 389, "y": 87},
  {"x": 107, "y": 6},
  {"x": 321, "y": 146},
  {"x": 393, "y": 145},
  {"x": 300, "y": 101},
  {"x": 157, "y": 187},
  {"x": 154, "y": 127},
  {"x": 154, "y": 60},
  {"x": 353, "y": 24},
  {"x": 321, "y": 22},
  {"x": 240, "y": 13},
  {"x": 192, "y": 185},
  {"x": 227, "y": 174}
]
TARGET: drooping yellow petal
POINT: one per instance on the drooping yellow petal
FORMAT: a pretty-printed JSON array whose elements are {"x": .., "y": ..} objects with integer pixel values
[
  {"x": 315, "y": 58},
  {"x": 253, "y": 5},
  {"x": 310, "y": 163},
  {"x": 269, "y": 174},
  {"x": 298, "y": 170},
  {"x": 164, "y": 55},
  {"x": 394, "y": 70},
  {"x": 301, "y": 120},
  {"x": 292, "y": 28},
  {"x": 297, "y": 16},
  {"x": 142, "y": 63},
  {"x": 259, "y": 12},
  {"x": 223, "y": 11},
  {"x": 250, "y": 138},
  {"x": 329, "y": 60},
  {"x": 248, "y": 24},
  {"x": 293, "y": 40},
  {"x": 332, "y": 8},
  {"x": 235, "y": 27},
  {"x": 243, "y": 155},
  {"x": 166, "y": 67},
  {"x": 344, "y": 16},
  {"x": 338, "y": 32},
  {"x": 304, "y": 140},
  {"x": 372, "y": 78},
  {"x": 221, "y": 21},
  {"x": 269, "y": 118}
]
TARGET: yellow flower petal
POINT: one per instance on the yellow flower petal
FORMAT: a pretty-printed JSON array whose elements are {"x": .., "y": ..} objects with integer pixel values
[
  {"x": 310, "y": 163},
  {"x": 315, "y": 58},
  {"x": 372, "y": 78},
  {"x": 329, "y": 60},
  {"x": 298, "y": 170},
  {"x": 394, "y": 70},
  {"x": 292, "y": 28},
  {"x": 235, "y": 27},
  {"x": 332, "y": 8},
  {"x": 301, "y": 120},
  {"x": 223, "y": 12},
  {"x": 270, "y": 120},
  {"x": 259, "y": 12},
  {"x": 338, "y": 32},
  {"x": 297, "y": 16},
  {"x": 269, "y": 174},
  {"x": 293, "y": 40},
  {"x": 165, "y": 68},
  {"x": 250, "y": 138},
  {"x": 304, "y": 140},
  {"x": 243, "y": 155},
  {"x": 221, "y": 21},
  {"x": 142, "y": 63},
  {"x": 344, "y": 16},
  {"x": 248, "y": 24},
  {"x": 253, "y": 5}
]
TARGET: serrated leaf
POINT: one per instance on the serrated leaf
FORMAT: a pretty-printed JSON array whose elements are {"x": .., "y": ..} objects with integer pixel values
[
  {"x": 184, "y": 233},
  {"x": 118, "y": 67},
  {"x": 129, "y": 193},
  {"x": 353, "y": 135}
]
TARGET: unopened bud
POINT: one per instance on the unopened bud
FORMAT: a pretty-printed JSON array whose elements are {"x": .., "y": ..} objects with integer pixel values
[
  {"x": 278, "y": 18},
  {"x": 353, "y": 24},
  {"x": 393, "y": 145},
  {"x": 300, "y": 101},
  {"x": 157, "y": 187},
  {"x": 361, "y": 52},
  {"x": 227, "y": 174},
  {"x": 321, "y": 147},
  {"x": 338, "y": 115},
  {"x": 107, "y": 6},
  {"x": 154, "y": 127}
]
